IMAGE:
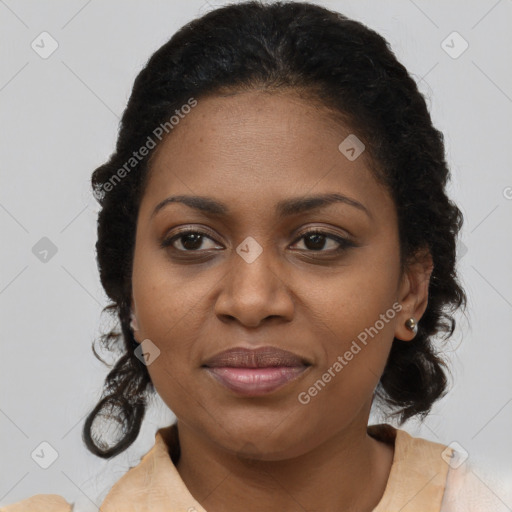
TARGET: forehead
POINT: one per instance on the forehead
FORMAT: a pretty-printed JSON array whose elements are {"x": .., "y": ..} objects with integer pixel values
[{"x": 256, "y": 147}]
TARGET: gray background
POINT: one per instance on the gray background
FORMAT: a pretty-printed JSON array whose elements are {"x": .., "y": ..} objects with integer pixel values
[{"x": 59, "y": 118}]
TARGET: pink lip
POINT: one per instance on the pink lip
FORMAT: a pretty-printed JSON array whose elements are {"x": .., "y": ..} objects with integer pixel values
[
  {"x": 262, "y": 357},
  {"x": 255, "y": 372},
  {"x": 256, "y": 381}
]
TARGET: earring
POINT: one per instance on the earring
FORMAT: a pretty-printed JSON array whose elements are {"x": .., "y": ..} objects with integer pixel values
[{"x": 412, "y": 325}]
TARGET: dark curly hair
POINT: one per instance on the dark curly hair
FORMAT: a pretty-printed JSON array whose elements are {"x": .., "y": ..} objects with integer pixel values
[{"x": 342, "y": 65}]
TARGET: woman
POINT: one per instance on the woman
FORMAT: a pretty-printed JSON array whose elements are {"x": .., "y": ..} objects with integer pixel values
[{"x": 279, "y": 249}]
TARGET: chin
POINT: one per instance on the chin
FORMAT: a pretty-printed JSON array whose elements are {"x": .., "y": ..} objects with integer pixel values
[{"x": 262, "y": 437}]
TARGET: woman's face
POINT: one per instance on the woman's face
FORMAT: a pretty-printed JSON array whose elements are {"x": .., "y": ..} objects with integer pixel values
[{"x": 252, "y": 277}]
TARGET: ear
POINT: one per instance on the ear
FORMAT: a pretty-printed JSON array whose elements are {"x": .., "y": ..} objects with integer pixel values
[
  {"x": 133, "y": 321},
  {"x": 413, "y": 292}
]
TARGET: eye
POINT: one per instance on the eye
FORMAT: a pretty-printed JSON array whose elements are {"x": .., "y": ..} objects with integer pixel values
[
  {"x": 190, "y": 241},
  {"x": 315, "y": 240}
]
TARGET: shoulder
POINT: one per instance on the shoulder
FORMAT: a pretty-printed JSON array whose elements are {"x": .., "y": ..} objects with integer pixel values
[
  {"x": 412, "y": 451},
  {"x": 40, "y": 503},
  {"x": 448, "y": 481},
  {"x": 475, "y": 488},
  {"x": 418, "y": 472}
]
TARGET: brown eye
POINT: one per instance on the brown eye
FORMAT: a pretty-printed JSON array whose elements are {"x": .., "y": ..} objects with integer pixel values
[
  {"x": 316, "y": 240},
  {"x": 190, "y": 241}
]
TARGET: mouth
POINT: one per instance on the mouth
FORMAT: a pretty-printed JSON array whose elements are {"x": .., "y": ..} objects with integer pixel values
[{"x": 256, "y": 372}]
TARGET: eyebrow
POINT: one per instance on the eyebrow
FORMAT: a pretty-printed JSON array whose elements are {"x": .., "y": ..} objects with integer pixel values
[{"x": 284, "y": 208}]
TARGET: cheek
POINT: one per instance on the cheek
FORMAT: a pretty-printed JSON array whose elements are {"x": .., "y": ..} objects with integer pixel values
[
  {"x": 355, "y": 346},
  {"x": 167, "y": 296},
  {"x": 354, "y": 296},
  {"x": 353, "y": 316},
  {"x": 172, "y": 313}
]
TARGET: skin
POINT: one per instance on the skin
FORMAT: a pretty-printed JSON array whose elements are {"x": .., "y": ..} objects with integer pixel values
[{"x": 250, "y": 150}]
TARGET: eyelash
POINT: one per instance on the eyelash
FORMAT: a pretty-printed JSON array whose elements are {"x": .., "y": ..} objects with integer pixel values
[{"x": 343, "y": 242}]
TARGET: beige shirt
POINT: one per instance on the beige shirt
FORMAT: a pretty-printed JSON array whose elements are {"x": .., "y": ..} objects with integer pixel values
[{"x": 416, "y": 483}]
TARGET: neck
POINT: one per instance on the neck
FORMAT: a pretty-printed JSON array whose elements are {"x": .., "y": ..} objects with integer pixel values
[{"x": 347, "y": 472}]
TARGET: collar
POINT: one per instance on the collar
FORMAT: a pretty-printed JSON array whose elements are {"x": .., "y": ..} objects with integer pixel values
[{"x": 416, "y": 481}]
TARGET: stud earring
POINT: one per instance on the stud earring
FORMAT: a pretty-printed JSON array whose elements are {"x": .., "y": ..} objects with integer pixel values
[{"x": 412, "y": 325}]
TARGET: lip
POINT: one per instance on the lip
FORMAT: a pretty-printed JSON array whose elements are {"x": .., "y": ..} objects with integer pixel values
[{"x": 256, "y": 372}]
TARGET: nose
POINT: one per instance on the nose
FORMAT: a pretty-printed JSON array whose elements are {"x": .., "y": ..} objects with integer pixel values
[{"x": 254, "y": 291}]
